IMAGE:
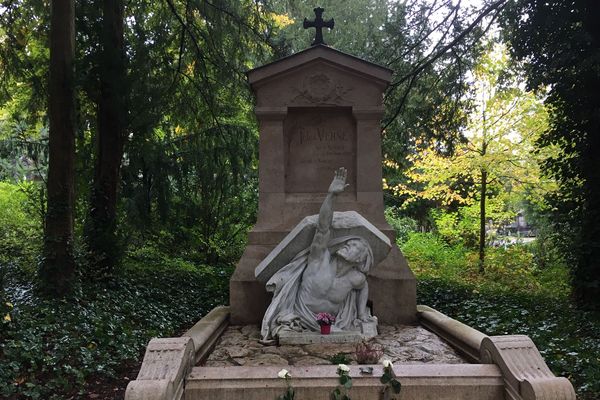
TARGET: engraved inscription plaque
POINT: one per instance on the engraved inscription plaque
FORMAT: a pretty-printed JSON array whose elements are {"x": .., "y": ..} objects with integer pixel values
[{"x": 318, "y": 141}]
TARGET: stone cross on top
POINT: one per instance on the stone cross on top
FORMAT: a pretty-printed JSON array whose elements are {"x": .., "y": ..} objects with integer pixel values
[{"x": 318, "y": 24}]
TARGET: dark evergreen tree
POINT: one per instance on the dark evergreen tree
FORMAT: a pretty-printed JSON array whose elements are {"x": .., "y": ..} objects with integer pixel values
[
  {"x": 558, "y": 42},
  {"x": 57, "y": 269},
  {"x": 110, "y": 137}
]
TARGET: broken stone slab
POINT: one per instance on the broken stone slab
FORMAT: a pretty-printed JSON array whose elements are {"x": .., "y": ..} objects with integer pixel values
[
  {"x": 251, "y": 331},
  {"x": 286, "y": 351},
  {"x": 347, "y": 223},
  {"x": 237, "y": 351},
  {"x": 311, "y": 360},
  {"x": 393, "y": 344},
  {"x": 261, "y": 360}
]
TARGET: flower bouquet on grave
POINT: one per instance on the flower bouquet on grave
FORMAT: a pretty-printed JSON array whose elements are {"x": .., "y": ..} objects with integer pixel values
[{"x": 325, "y": 320}]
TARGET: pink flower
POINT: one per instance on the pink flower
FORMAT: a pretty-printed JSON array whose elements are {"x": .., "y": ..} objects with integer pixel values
[{"x": 324, "y": 318}]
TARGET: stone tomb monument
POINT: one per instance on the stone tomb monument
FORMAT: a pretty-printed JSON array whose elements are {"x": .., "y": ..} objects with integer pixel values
[{"x": 319, "y": 110}]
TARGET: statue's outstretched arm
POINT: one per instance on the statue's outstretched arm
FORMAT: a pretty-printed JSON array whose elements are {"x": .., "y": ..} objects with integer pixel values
[{"x": 319, "y": 243}]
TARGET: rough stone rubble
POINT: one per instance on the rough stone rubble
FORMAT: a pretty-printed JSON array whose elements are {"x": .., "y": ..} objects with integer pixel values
[{"x": 239, "y": 346}]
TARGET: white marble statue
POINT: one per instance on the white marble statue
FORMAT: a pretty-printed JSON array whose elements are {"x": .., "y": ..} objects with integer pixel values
[{"x": 329, "y": 276}]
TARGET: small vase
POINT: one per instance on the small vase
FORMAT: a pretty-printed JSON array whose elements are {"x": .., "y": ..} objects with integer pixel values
[{"x": 325, "y": 329}]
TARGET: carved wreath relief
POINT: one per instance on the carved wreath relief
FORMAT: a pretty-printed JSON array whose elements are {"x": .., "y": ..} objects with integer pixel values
[{"x": 320, "y": 88}]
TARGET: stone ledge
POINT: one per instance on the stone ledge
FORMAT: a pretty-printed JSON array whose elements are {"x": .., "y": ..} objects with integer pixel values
[
  {"x": 440, "y": 382},
  {"x": 206, "y": 332},
  {"x": 462, "y": 337}
]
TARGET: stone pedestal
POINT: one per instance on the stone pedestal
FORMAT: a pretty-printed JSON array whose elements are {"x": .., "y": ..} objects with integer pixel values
[
  {"x": 293, "y": 338},
  {"x": 319, "y": 110},
  {"x": 367, "y": 331}
]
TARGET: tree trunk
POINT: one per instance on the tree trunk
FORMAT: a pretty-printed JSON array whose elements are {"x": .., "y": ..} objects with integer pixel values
[
  {"x": 101, "y": 229},
  {"x": 57, "y": 269},
  {"x": 482, "y": 221},
  {"x": 586, "y": 274}
]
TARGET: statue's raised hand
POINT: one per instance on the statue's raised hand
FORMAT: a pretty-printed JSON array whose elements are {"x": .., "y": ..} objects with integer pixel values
[{"x": 339, "y": 181}]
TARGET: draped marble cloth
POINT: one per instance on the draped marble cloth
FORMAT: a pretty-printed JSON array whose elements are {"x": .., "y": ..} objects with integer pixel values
[{"x": 288, "y": 311}]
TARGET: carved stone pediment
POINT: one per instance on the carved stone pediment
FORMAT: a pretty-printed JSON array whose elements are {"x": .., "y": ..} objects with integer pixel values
[
  {"x": 369, "y": 70},
  {"x": 319, "y": 76}
]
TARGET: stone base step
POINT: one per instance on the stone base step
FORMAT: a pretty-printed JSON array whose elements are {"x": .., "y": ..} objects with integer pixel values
[{"x": 436, "y": 382}]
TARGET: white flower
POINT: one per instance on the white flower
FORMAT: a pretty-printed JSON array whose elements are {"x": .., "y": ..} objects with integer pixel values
[
  {"x": 343, "y": 367},
  {"x": 387, "y": 363},
  {"x": 284, "y": 373}
]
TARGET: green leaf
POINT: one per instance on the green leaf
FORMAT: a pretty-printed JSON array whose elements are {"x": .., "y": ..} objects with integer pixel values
[
  {"x": 344, "y": 379},
  {"x": 396, "y": 386},
  {"x": 385, "y": 378},
  {"x": 336, "y": 394}
]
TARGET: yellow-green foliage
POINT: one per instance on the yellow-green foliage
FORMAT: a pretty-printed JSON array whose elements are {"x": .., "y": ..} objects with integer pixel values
[
  {"x": 497, "y": 154},
  {"x": 506, "y": 269},
  {"x": 20, "y": 231},
  {"x": 511, "y": 269},
  {"x": 430, "y": 255},
  {"x": 12, "y": 199}
]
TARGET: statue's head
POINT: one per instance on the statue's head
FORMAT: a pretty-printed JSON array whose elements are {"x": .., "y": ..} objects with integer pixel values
[{"x": 357, "y": 251}]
